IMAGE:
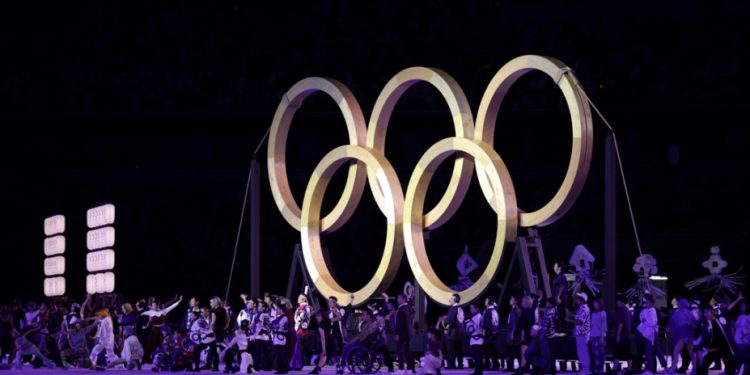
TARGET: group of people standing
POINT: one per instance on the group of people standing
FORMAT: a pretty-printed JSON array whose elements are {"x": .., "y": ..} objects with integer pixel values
[
  {"x": 272, "y": 333},
  {"x": 717, "y": 333}
]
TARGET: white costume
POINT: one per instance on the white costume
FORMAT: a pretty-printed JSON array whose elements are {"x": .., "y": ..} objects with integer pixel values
[
  {"x": 649, "y": 326},
  {"x": 261, "y": 330},
  {"x": 280, "y": 328},
  {"x": 201, "y": 333},
  {"x": 163, "y": 311},
  {"x": 105, "y": 340},
  {"x": 474, "y": 330},
  {"x": 132, "y": 354},
  {"x": 132, "y": 350},
  {"x": 302, "y": 316},
  {"x": 246, "y": 359}
]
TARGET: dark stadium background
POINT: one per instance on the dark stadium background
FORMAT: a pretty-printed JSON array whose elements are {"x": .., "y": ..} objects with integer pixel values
[{"x": 158, "y": 107}]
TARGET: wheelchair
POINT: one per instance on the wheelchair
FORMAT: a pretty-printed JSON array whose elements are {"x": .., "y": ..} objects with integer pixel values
[{"x": 364, "y": 359}]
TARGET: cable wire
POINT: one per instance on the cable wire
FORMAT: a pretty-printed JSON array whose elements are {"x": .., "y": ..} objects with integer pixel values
[
  {"x": 242, "y": 213},
  {"x": 622, "y": 170}
]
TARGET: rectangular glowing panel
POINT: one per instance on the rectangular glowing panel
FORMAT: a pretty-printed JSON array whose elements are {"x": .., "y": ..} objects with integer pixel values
[
  {"x": 54, "y": 266},
  {"x": 100, "y": 238},
  {"x": 100, "y": 216},
  {"x": 100, "y": 283},
  {"x": 54, "y": 245},
  {"x": 101, "y": 260},
  {"x": 54, "y": 225},
  {"x": 54, "y": 286}
]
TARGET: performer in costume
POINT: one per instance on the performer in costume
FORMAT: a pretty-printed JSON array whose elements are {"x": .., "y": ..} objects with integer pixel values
[
  {"x": 105, "y": 338},
  {"x": 453, "y": 332},
  {"x": 475, "y": 331},
  {"x": 325, "y": 332},
  {"x": 491, "y": 320},
  {"x": 538, "y": 354},
  {"x": 336, "y": 315},
  {"x": 262, "y": 347},
  {"x": 301, "y": 323},
  {"x": 78, "y": 352},
  {"x": 433, "y": 356},
  {"x": 716, "y": 342},
  {"x": 203, "y": 336},
  {"x": 279, "y": 332},
  {"x": 132, "y": 353},
  {"x": 26, "y": 347},
  {"x": 239, "y": 345},
  {"x": 157, "y": 319},
  {"x": 404, "y": 328}
]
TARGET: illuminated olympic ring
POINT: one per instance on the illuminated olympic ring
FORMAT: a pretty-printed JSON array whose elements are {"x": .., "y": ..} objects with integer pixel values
[{"x": 406, "y": 219}]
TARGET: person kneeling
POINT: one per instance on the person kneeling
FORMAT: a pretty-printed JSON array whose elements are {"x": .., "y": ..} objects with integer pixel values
[
  {"x": 239, "y": 346},
  {"x": 538, "y": 354},
  {"x": 132, "y": 353},
  {"x": 433, "y": 357}
]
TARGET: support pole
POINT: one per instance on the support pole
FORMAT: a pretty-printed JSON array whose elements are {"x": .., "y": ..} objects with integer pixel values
[
  {"x": 610, "y": 223},
  {"x": 255, "y": 229},
  {"x": 534, "y": 235},
  {"x": 527, "y": 273}
]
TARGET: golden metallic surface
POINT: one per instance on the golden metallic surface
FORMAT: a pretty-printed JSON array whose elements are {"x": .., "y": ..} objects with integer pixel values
[
  {"x": 387, "y": 184},
  {"x": 407, "y": 221},
  {"x": 580, "y": 116},
  {"x": 500, "y": 195},
  {"x": 355, "y": 125},
  {"x": 463, "y": 123}
]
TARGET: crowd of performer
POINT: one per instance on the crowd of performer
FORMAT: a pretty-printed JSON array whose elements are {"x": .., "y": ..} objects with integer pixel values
[{"x": 271, "y": 333}]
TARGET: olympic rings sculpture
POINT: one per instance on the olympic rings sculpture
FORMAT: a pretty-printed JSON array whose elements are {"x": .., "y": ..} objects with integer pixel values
[{"x": 407, "y": 221}]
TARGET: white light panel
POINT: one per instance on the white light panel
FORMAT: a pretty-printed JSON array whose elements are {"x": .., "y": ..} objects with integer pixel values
[
  {"x": 54, "y": 266},
  {"x": 54, "y": 245},
  {"x": 54, "y": 286},
  {"x": 54, "y": 225},
  {"x": 101, "y": 260},
  {"x": 100, "y": 216},
  {"x": 100, "y": 283},
  {"x": 100, "y": 238}
]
